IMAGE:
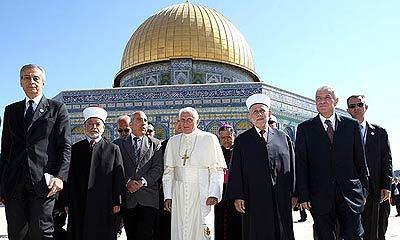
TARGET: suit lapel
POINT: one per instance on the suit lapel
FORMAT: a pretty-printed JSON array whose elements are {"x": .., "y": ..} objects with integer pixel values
[
  {"x": 256, "y": 135},
  {"x": 41, "y": 109},
  {"x": 369, "y": 136},
  {"x": 128, "y": 146},
  {"x": 19, "y": 117},
  {"x": 143, "y": 151},
  {"x": 95, "y": 161},
  {"x": 320, "y": 130},
  {"x": 338, "y": 128}
]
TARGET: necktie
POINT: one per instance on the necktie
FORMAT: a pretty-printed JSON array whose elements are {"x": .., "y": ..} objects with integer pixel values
[
  {"x": 329, "y": 130},
  {"x": 92, "y": 143},
  {"x": 136, "y": 148},
  {"x": 271, "y": 162},
  {"x": 262, "y": 134},
  {"x": 362, "y": 132},
  {"x": 28, "y": 115}
]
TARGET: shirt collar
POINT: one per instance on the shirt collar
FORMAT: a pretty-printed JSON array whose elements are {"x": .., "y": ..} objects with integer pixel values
[
  {"x": 258, "y": 130},
  {"x": 36, "y": 100},
  {"x": 364, "y": 124},
  {"x": 95, "y": 140},
  {"x": 133, "y": 136},
  {"x": 331, "y": 118}
]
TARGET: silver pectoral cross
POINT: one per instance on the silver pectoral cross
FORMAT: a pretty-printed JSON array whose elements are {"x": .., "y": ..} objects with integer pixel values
[{"x": 184, "y": 158}]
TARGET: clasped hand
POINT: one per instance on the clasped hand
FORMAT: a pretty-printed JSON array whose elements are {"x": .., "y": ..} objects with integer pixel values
[
  {"x": 55, "y": 186},
  {"x": 134, "y": 185}
]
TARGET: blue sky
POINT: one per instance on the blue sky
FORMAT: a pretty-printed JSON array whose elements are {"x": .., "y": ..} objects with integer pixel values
[{"x": 352, "y": 45}]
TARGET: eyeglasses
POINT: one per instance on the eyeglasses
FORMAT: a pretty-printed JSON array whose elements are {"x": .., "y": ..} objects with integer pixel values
[
  {"x": 188, "y": 120},
  {"x": 125, "y": 130},
  {"x": 353, "y": 105}
]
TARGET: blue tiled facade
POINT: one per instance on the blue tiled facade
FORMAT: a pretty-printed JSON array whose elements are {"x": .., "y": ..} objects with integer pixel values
[{"x": 217, "y": 103}]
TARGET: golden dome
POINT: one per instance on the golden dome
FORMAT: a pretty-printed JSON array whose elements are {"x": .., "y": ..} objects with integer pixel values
[{"x": 187, "y": 30}]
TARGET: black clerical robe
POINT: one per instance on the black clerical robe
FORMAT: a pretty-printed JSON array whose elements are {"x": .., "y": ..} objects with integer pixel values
[
  {"x": 228, "y": 222},
  {"x": 95, "y": 184},
  {"x": 262, "y": 174}
]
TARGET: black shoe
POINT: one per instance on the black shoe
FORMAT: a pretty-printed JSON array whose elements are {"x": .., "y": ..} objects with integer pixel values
[{"x": 302, "y": 220}]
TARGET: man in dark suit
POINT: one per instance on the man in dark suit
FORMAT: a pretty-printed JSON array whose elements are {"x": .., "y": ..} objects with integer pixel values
[
  {"x": 379, "y": 161},
  {"x": 331, "y": 171},
  {"x": 124, "y": 130},
  {"x": 123, "y": 126},
  {"x": 143, "y": 164},
  {"x": 395, "y": 199},
  {"x": 261, "y": 176},
  {"x": 35, "y": 157}
]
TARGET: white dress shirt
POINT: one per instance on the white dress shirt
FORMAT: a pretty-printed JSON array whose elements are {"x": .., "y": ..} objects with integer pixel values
[{"x": 331, "y": 118}]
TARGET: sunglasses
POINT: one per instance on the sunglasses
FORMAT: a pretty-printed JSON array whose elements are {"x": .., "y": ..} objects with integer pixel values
[
  {"x": 353, "y": 105},
  {"x": 126, "y": 130}
]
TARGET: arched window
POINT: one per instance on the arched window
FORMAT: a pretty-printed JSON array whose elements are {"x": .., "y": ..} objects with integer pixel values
[{"x": 213, "y": 127}]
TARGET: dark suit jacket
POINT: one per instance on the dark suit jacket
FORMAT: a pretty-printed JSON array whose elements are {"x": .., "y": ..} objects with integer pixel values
[
  {"x": 379, "y": 159},
  {"x": 150, "y": 167},
  {"x": 45, "y": 146},
  {"x": 322, "y": 167}
]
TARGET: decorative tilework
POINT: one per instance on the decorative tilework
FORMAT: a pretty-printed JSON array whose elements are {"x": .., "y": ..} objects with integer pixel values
[
  {"x": 181, "y": 77},
  {"x": 197, "y": 70},
  {"x": 213, "y": 78},
  {"x": 216, "y": 103},
  {"x": 151, "y": 80},
  {"x": 139, "y": 82},
  {"x": 165, "y": 79},
  {"x": 198, "y": 78}
]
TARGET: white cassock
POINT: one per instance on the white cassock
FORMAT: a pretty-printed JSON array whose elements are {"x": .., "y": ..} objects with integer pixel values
[{"x": 190, "y": 182}]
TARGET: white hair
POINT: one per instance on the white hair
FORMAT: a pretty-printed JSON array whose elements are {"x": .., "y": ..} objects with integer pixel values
[
  {"x": 331, "y": 90},
  {"x": 32, "y": 66},
  {"x": 124, "y": 117},
  {"x": 189, "y": 110}
]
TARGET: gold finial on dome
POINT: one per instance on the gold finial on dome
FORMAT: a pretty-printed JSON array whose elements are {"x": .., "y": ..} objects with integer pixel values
[{"x": 187, "y": 30}]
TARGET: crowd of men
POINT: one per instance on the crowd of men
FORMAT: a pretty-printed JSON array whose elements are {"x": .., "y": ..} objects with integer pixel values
[{"x": 193, "y": 186}]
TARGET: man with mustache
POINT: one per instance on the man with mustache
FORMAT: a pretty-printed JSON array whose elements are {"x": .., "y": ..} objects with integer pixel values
[
  {"x": 261, "y": 177},
  {"x": 95, "y": 182},
  {"x": 142, "y": 158},
  {"x": 123, "y": 126}
]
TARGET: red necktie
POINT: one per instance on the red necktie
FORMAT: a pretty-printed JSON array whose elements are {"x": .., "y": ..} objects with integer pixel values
[
  {"x": 329, "y": 130},
  {"x": 262, "y": 134}
]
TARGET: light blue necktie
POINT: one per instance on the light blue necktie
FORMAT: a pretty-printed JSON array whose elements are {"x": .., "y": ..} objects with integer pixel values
[{"x": 362, "y": 132}]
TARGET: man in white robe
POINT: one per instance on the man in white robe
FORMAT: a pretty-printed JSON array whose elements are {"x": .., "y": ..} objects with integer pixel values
[{"x": 193, "y": 179}]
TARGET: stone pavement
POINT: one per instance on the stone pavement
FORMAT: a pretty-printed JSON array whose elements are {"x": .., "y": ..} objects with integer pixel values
[{"x": 303, "y": 231}]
